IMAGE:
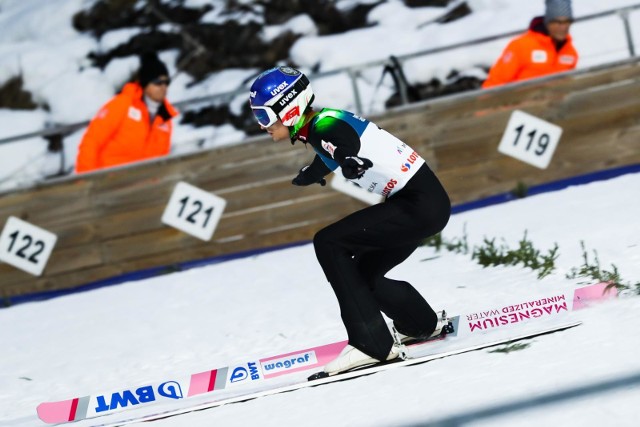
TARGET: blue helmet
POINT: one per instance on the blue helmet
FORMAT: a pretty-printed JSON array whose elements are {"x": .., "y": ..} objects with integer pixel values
[{"x": 280, "y": 93}]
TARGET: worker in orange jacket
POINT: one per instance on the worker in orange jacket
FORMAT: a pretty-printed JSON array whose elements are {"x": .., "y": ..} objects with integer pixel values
[
  {"x": 544, "y": 49},
  {"x": 134, "y": 125}
]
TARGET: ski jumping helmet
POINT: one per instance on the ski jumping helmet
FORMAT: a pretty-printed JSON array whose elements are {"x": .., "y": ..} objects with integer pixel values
[{"x": 280, "y": 93}]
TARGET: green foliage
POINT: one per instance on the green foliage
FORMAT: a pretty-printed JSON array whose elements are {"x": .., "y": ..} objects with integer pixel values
[
  {"x": 509, "y": 347},
  {"x": 591, "y": 269},
  {"x": 490, "y": 254},
  {"x": 456, "y": 245},
  {"x": 493, "y": 254},
  {"x": 521, "y": 190},
  {"x": 525, "y": 253},
  {"x": 435, "y": 241}
]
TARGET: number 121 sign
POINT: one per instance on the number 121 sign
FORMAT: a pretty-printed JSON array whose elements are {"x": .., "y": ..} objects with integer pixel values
[
  {"x": 530, "y": 139},
  {"x": 194, "y": 211}
]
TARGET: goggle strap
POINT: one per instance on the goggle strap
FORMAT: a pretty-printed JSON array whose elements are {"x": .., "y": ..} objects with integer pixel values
[{"x": 300, "y": 85}]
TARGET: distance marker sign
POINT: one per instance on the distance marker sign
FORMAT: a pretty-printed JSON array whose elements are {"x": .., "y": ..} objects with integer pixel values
[
  {"x": 26, "y": 246},
  {"x": 194, "y": 211},
  {"x": 530, "y": 139}
]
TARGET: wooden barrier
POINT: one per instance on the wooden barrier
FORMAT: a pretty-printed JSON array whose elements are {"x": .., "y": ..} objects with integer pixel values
[{"x": 109, "y": 222}]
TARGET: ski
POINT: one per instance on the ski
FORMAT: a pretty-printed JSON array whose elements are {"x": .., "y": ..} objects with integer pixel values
[
  {"x": 416, "y": 359},
  {"x": 261, "y": 377}
]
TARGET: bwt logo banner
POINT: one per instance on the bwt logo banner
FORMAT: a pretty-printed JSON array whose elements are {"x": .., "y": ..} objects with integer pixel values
[
  {"x": 287, "y": 363},
  {"x": 169, "y": 390},
  {"x": 245, "y": 373}
]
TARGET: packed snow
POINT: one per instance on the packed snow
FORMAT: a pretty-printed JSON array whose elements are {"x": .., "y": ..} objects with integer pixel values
[
  {"x": 279, "y": 301},
  {"x": 57, "y": 72}
]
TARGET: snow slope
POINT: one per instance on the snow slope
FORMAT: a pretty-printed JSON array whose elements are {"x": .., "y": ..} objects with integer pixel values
[
  {"x": 279, "y": 301},
  {"x": 56, "y": 70}
]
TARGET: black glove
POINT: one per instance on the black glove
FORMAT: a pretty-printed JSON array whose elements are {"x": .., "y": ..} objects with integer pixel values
[
  {"x": 354, "y": 167},
  {"x": 305, "y": 178}
]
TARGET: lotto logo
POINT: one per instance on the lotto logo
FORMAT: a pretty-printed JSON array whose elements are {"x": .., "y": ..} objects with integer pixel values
[{"x": 411, "y": 160}]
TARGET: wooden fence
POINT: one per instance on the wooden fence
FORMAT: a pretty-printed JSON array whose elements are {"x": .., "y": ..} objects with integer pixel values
[{"x": 109, "y": 222}]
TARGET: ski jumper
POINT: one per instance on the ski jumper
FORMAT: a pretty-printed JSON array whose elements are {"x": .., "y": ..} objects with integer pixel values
[{"x": 357, "y": 251}]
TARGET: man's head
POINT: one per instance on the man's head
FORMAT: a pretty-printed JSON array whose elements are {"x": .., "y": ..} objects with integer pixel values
[
  {"x": 558, "y": 18},
  {"x": 153, "y": 77},
  {"x": 279, "y": 98}
]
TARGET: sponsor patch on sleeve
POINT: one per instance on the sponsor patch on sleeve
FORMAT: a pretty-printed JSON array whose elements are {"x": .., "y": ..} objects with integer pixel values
[{"x": 328, "y": 147}]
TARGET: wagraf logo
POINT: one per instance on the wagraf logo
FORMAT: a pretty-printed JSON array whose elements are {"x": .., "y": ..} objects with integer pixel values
[
  {"x": 275, "y": 366},
  {"x": 253, "y": 93},
  {"x": 169, "y": 389},
  {"x": 279, "y": 89},
  {"x": 241, "y": 373}
]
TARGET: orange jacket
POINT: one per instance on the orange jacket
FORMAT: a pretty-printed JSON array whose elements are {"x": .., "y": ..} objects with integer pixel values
[
  {"x": 530, "y": 55},
  {"x": 122, "y": 132}
]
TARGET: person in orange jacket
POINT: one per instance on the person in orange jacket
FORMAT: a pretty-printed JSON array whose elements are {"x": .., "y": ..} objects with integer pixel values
[
  {"x": 132, "y": 126},
  {"x": 544, "y": 49}
]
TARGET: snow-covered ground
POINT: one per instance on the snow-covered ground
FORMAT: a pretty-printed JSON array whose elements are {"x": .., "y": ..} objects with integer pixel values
[
  {"x": 276, "y": 302},
  {"x": 279, "y": 301},
  {"x": 56, "y": 70}
]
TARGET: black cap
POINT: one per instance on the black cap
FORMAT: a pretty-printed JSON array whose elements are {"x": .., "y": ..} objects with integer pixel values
[{"x": 151, "y": 68}]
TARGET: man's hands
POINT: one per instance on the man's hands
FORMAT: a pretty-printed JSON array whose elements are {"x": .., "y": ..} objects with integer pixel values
[
  {"x": 354, "y": 167},
  {"x": 304, "y": 178}
]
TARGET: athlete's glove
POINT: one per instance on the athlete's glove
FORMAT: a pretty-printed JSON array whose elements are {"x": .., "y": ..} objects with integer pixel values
[
  {"x": 305, "y": 178},
  {"x": 354, "y": 167}
]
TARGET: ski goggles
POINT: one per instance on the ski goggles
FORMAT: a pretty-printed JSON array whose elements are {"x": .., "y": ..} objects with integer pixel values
[{"x": 265, "y": 116}]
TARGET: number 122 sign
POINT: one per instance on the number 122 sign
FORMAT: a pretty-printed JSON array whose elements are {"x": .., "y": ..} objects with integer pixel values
[
  {"x": 26, "y": 246},
  {"x": 530, "y": 139},
  {"x": 194, "y": 211}
]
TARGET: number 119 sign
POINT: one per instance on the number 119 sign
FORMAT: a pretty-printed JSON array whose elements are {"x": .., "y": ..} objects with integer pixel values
[
  {"x": 194, "y": 211},
  {"x": 530, "y": 139}
]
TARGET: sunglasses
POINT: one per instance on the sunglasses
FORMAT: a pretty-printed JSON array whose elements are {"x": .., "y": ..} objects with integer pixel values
[
  {"x": 561, "y": 21},
  {"x": 160, "y": 82}
]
